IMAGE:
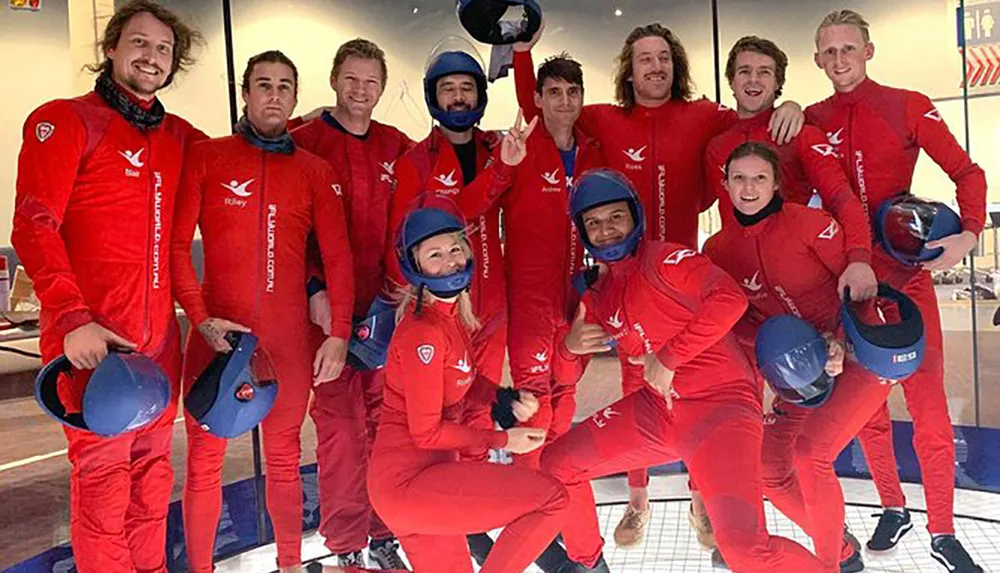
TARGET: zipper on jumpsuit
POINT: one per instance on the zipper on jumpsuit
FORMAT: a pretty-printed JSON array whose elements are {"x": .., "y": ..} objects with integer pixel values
[
  {"x": 262, "y": 240},
  {"x": 150, "y": 231}
]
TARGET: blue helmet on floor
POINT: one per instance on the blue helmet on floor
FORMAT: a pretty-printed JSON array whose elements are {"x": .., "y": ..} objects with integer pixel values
[
  {"x": 424, "y": 223},
  {"x": 454, "y": 56},
  {"x": 904, "y": 224},
  {"x": 791, "y": 355},
  {"x": 892, "y": 351},
  {"x": 125, "y": 392},
  {"x": 369, "y": 342},
  {"x": 236, "y": 391},
  {"x": 598, "y": 187},
  {"x": 482, "y": 19}
]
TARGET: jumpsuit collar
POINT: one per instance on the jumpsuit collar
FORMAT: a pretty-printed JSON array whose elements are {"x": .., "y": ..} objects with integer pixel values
[
  {"x": 756, "y": 223},
  {"x": 282, "y": 144},
  {"x": 760, "y": 120},
  {"x": 630, "y": 263},
  {"x": 142, "y": 115},
  {"x": 860, "y": 93}
]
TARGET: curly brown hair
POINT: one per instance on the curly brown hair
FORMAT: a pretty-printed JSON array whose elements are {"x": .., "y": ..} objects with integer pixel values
[
  {"x": 682, "y": 87},
  {"x": 759, "y": 46},
  {"x": 185, "y": 37}
]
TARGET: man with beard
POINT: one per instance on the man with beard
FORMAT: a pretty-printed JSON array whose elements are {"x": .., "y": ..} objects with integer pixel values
[{"x": 96, "y": 183}]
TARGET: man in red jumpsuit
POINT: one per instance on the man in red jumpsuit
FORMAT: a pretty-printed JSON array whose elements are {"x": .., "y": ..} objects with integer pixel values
[
  {"x": 256, "y": 198},
  {"x": 756, "y": 73},
  {"x": 656, "y": 135},
  {"x": 877, "y": 132},
  {"x": 669, "y": 311},
  {"x": 345, "y": 411},
  {"x": 96, "y": 182},
  {"x": 461, "y": 162},
  {"x": 542, "y": 250}
]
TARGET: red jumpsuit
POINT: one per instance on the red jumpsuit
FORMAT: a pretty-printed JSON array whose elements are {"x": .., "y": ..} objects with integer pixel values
[
  {"x": 95, "y": 197},
  {"x": 807, "y": 163},
  {"x": 345, "y": 411},
  {"x": 433, "y": 167},
  {"x": 789, "y": 263},
  {"x": 542, "y": 251},
  {"x": 660, "y": 149},
  {"x": 877, "y": 133},
  {"x": 416, "y": 481},
  {"x": 670, "y": 301},
  {"x": 255, "y": 210}
]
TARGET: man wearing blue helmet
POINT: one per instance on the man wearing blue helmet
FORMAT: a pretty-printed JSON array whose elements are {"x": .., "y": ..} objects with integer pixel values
[
  {"x": 472, "y": 167},
  {"x": 669, "y": 311}
]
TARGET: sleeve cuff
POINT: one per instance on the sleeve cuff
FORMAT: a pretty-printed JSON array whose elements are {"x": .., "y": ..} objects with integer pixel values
[
  {"x": 314, "y": 286},
  {"x": 859, "y": 255},
  {"x": 668, "y": 358},
  {"x": 341, "y": 329},
  {"x": 972, "y": 226},
  {"x": 72, "y": 320}
]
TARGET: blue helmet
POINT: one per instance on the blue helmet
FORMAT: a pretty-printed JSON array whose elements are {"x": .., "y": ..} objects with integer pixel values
[
  {"x": 904, "y": 224},
  {"x": 125, "y": 392},
  {"x": 370, "y": 340},
  {"x": 598, "y": 187},
  {"x": 892, "y": 351},
  {"x": 236, "y": 391},
  {"x": 448, "y": 63},
  {"x": 482, "y": 19},
  {"x": 792, "y": 355},
  {"x": 424, "y": 223}
]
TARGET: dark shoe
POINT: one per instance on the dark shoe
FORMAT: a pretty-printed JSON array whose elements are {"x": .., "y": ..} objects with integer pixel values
[
  {"x": 570, "y": 567},
  {"x": 892, "y": 526},
  {"x": 949, "y": 552},
  {"x": 480, "y": 545},
  {"x": 352, "y": 559},
  {"x": 853, "y": 563},
  {"x": 553, "y": 558},
  {"x": 384, "y": 554}
]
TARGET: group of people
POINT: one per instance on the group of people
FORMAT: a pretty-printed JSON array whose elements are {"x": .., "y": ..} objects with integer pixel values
[{"x": 308, "y": 223}]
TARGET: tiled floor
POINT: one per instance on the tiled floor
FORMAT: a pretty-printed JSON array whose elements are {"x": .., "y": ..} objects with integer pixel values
[{"x": 671, "y": 546}]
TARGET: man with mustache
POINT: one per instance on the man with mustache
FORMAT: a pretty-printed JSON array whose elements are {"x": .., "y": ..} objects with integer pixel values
[
  {"x": 96, "y": 182},
  {"x": 364, "y": 152},
  {"x": 656, "y": 135},
  {"x": 877, "y": 132}
]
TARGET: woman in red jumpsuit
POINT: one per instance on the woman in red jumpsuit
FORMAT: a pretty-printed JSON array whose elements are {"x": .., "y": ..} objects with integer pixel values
[
  {"x": 416, "y": 482},
  {"x": 669, "y": 310},
  {"x": 256, "y": 198},
  {"x": 787, "y": 258}
]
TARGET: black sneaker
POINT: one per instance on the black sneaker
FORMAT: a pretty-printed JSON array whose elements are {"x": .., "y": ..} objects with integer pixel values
[
  {"x": 384, "y": 555},
  {"x": 892, "y": 526},
  {"x": 352, "y": 559},
  {"x": 949, "y": 552},
  {"x": 600, "y": 567},
  {"x": 480, "y": 545},
  {"x": 852, "y": 564}
]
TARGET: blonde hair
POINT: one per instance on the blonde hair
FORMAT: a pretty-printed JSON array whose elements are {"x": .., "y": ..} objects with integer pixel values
[
  {"x": 406, "y": 295},
  {"x": 844, "y": 18}
]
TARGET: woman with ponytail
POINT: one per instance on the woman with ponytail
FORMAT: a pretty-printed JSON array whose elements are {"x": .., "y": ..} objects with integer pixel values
[{"x": 416, "y": 482}]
